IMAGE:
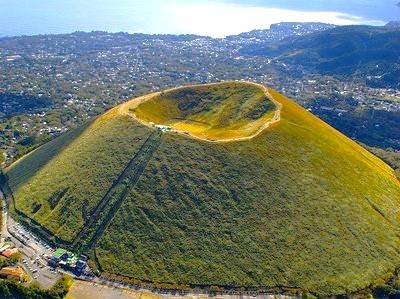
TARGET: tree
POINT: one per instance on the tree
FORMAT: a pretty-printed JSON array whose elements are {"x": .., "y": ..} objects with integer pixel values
[{"x": 15, "y": 258}]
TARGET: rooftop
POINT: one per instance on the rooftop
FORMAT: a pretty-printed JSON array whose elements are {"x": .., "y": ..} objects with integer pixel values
[
  {"x": 59, "y": 252},
  {"x": 12, "y": 271}
]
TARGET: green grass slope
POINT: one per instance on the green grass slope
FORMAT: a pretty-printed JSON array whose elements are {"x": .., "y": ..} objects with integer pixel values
[
  {"x": 344, "y": 50},
  {"x": 212, "y": 112},
  {"x": 300, "y": 205},
  {"x": 59, "y": 191}
]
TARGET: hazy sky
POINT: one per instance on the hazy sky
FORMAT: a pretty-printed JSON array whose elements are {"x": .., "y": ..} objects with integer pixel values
[{"x": 214, "y": 18}]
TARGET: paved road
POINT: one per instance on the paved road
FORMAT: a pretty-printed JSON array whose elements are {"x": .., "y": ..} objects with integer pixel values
[
  {"x": 34, "y": 252},
  {"x": 4, "y": 216},
  {"x": 87, "y": 290}
]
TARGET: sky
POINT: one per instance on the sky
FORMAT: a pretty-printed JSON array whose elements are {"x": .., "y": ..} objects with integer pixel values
[{"x": 213, "y": 18}]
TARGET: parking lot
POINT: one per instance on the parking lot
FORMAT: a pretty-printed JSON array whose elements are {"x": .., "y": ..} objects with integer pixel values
[{"x": 35, "y": 254}]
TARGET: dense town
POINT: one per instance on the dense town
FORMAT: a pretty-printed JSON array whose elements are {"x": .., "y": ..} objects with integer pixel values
[{"x": 49, "y": 84}]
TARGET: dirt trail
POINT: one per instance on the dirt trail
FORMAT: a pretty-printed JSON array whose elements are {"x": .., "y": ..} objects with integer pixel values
[
  {"x": 126, "y": 107},
  {"x": 133, "y": 174},
  {"x": 112, "y": 200}
]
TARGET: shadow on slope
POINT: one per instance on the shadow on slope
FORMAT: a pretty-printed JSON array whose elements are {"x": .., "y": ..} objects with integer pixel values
[{"x": 19, "y": 173}]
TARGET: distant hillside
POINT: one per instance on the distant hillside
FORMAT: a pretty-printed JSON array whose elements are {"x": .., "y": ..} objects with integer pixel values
[
  {"x": 370, "y": 52},
  {"x": 393, "y": 24},
  {"x": 299, "y": 206},
  {"x": 279, "y": 31}
]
